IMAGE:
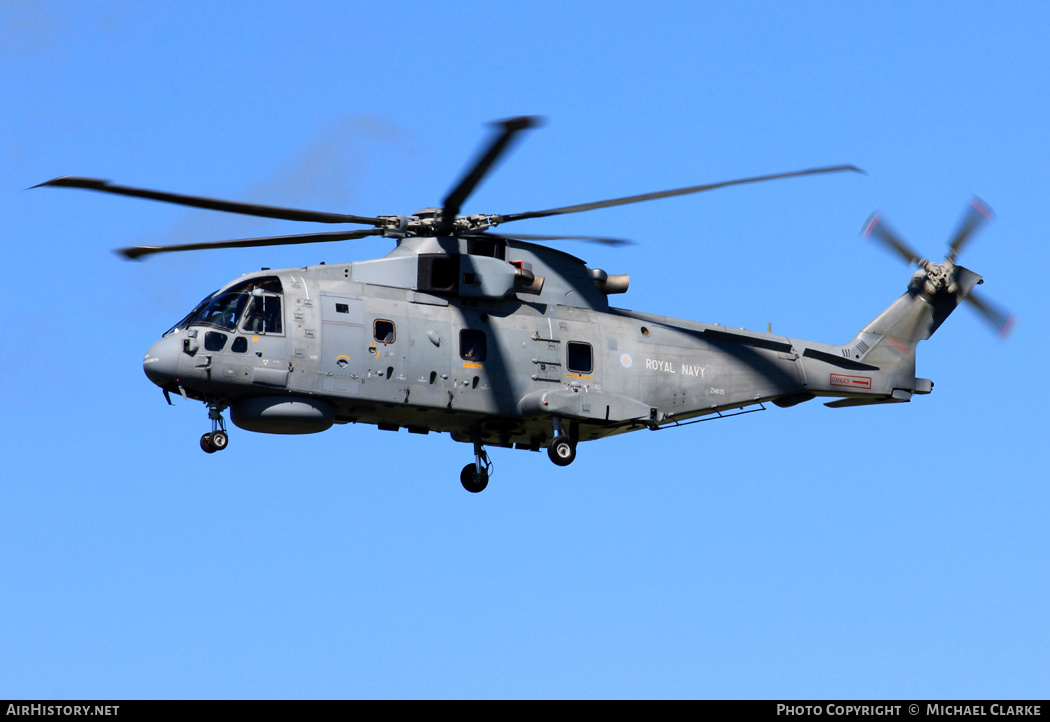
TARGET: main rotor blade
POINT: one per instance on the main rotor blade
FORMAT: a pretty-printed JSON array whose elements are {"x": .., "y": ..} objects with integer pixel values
[
  {"x": 875, "y": 226},
  {"x": 454, "y": 200},
  {"x": 975, "y": 216},
  {"x": 138, "y": 251},
  {"x": 667, "y": 194},
  {"x": 249, "y": 209},
  {"x": 589, "y": 239},
  {"x": 1002, "y": 321}
]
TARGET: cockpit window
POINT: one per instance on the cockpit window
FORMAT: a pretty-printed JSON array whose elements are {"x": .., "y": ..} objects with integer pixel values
[
  {"x": 264, "y": 315},
  {"x": 224, "y": 309}
]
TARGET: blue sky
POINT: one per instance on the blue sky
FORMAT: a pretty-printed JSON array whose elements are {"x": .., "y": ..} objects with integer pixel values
[{"x": 892, "y": 551}]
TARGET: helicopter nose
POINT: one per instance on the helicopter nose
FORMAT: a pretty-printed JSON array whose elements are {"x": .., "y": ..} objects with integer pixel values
[{"x": 162, "y": 360}]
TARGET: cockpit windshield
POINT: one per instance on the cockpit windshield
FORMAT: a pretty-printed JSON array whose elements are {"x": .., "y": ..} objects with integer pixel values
[{"x": 225, "y": 309}]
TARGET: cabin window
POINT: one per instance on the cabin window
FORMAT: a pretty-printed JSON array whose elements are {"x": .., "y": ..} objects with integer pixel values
[
  {"x": 214, "y": 341},
  {"x": 240, "y": 345},
  {"x": 472, "y": 345},
  {"x": 383, "y": 331},
  {"x": 581, "y": 360}
]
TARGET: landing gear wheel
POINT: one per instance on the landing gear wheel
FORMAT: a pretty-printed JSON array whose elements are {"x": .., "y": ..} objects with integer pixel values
[
  {"x": 561, "y": 450},
  {"x": 215, "y": 441},
  {"x": 472, "y": 480},
  {"x": 219, "y": 440}
]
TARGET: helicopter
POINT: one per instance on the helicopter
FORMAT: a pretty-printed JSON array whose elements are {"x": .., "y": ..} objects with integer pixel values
[{"x": 501, "y": 341}]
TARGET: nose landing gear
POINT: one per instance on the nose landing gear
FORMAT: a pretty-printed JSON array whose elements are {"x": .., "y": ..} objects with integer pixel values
[{"x": 217, "y": 440}]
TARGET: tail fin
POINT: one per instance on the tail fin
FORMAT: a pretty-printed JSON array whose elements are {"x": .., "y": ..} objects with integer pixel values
[
  {"x": 913, "y": 317},
  {"x": 887, "y": 344}
]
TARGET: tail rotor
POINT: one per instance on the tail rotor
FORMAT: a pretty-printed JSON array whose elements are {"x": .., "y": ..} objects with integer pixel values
[{"x": 942, "y": 278}]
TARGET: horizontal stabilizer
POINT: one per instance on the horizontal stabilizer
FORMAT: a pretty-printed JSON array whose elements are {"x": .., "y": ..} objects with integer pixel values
[
  {"x": 843, "y": 403},
  {"x": 898, "y": 396}
]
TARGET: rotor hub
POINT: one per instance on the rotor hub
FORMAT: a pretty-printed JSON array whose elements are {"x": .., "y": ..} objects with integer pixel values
[
  {"x": 431, "y": 222},
  {"x": 940, "y": 277}
]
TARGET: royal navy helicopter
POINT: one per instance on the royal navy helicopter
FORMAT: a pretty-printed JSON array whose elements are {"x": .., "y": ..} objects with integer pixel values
[{"x": 503, "y": 342}]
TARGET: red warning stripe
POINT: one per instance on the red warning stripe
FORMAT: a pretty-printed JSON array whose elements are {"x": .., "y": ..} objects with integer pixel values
[
  {"x": 853, "y": 382},
  {"x": 898, "y": 346}
]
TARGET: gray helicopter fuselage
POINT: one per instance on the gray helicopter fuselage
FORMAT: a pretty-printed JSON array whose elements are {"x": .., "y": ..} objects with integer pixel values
[{"x": 500, "y": 343}]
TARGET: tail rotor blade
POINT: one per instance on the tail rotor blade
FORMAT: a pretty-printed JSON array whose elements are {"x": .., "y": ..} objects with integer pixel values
[
  {"x": 875, "y": 226},
  {"x": 977, "y": 213},
  {"x": 1002, "y": 321}
]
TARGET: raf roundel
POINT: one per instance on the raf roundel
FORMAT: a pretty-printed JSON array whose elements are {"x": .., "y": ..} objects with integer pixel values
[{"x": 625, "y": 360}]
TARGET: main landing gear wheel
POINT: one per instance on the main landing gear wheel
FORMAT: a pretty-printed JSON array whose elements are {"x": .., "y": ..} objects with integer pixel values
[
  {"x": 562, "y": 450},
  {"x": 215, "y": 441},
  {"x": 472, "y": 479},
  {"x": 475, "y": 477}
]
